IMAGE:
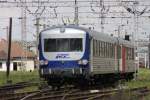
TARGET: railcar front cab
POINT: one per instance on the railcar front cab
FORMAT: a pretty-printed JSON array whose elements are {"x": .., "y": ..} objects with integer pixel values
[{"x": 64, "y": 52}]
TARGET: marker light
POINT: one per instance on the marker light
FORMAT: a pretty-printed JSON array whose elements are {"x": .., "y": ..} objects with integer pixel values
[
  {"x": 42, "y": 62},
  {"x": 83, "y": 62}
]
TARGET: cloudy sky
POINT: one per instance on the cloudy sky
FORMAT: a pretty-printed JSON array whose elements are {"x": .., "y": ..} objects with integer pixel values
[{"x": 116, "y": 16}]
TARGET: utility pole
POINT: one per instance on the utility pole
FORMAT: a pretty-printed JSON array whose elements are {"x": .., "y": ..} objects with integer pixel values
[
  {"x": 76, "y": 17},
  {"x": 37, "y": 38},
  {"x": 9, "y": 49},
  {"x": 149, "y": 52},
  {"x": 145, "y": 54},
  {"x": 136, "y": 31},
  {"x": 102, "y": 15},
  {"x": 23, "y": 35}
]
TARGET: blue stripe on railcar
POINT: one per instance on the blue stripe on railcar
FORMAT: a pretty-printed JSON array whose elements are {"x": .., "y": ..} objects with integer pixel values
[{"x": 67, "y": 64}]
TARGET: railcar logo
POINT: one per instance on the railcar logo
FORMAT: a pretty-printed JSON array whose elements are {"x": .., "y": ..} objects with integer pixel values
[{"x": 62, "y": 56}]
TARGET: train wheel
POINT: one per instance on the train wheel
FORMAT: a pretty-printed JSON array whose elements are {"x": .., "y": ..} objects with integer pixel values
[
  {"x": 56, "y": 83},
  {"x": 130, "y": 76}
]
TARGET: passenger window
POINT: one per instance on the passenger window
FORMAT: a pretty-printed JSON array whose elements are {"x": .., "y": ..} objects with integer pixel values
[{"x": 100, "y": 48}]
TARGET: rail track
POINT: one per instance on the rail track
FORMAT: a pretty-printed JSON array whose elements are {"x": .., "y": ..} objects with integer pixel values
[
  {"x": 70, "y": 93},
  {"x": 76, "y": 94},
  {"x": 10, "y": 90},
  {"x": 16, "y": 86}
]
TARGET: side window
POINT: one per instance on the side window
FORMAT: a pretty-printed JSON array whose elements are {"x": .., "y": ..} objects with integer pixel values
[
  {"x": 103, "y": 49},
  {"x": 94, "y": 48},
  {"x": 100, "y": 50},
  {"x": 102, "y": 53},
  {"x": 133, "y": 53},
  {"x": 127, "y": 53},
  {"x": 97, "y": 48},
  {"x": 106, "y": 49},
  {"x": 109, "y": 50},
  {"x": 119, "y": 51},
  {"x": 112, "y": 50}
]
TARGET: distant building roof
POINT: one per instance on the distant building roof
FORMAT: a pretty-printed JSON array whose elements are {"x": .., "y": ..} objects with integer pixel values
[
  {"x": 17, "y": 50},
  {"x": 3, "y": 55}
]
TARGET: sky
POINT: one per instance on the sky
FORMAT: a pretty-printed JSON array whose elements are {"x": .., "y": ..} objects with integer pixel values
[{"x": 58, "y": 12}]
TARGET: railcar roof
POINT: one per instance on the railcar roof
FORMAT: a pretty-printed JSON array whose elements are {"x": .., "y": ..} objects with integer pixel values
[
  {"x": 92, "y": 33},
  {"x": 126, "y": 43}
]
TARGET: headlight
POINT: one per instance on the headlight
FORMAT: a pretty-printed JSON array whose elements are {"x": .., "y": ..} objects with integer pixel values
[
  {"x": 83, "y": 62},
  {"x": 42, "y": 62}
]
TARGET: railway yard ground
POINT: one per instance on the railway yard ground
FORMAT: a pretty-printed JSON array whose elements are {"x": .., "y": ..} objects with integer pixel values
[{"x": 25, "y": 86}]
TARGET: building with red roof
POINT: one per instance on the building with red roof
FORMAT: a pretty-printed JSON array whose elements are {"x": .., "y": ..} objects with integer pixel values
[{"x": 20, "y": 59}]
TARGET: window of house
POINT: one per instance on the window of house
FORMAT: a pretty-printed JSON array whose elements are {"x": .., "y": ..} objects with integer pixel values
[
  {"x": 19, "y": 63},
  {"x": 0, "y": 65}
]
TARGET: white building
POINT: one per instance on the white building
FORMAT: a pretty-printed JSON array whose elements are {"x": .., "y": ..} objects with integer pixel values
[{"x": 21, "y": 60}]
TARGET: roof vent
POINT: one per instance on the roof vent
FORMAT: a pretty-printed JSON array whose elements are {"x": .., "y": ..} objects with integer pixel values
[{"x": 127, "y": 37}]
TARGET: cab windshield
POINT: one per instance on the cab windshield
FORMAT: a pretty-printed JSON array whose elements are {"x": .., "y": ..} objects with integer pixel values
[{"x": 63, "y": 45}]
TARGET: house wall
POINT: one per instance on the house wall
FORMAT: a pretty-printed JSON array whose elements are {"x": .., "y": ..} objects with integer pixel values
[
  {"x": 30, "y": 65},
  {"x": 26, "y": 65},
  {"x": 4, "y": 66}
]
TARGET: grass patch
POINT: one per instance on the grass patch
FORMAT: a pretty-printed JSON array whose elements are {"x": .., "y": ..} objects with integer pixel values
[
  {"x": 143, "y": 79},
  {"x": 18, "y": 76}
]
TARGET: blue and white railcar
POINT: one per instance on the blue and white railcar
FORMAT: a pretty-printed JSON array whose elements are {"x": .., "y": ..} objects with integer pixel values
[
  {"x": 75, "y": 52},
  {"x": 64, "y": 51}
]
